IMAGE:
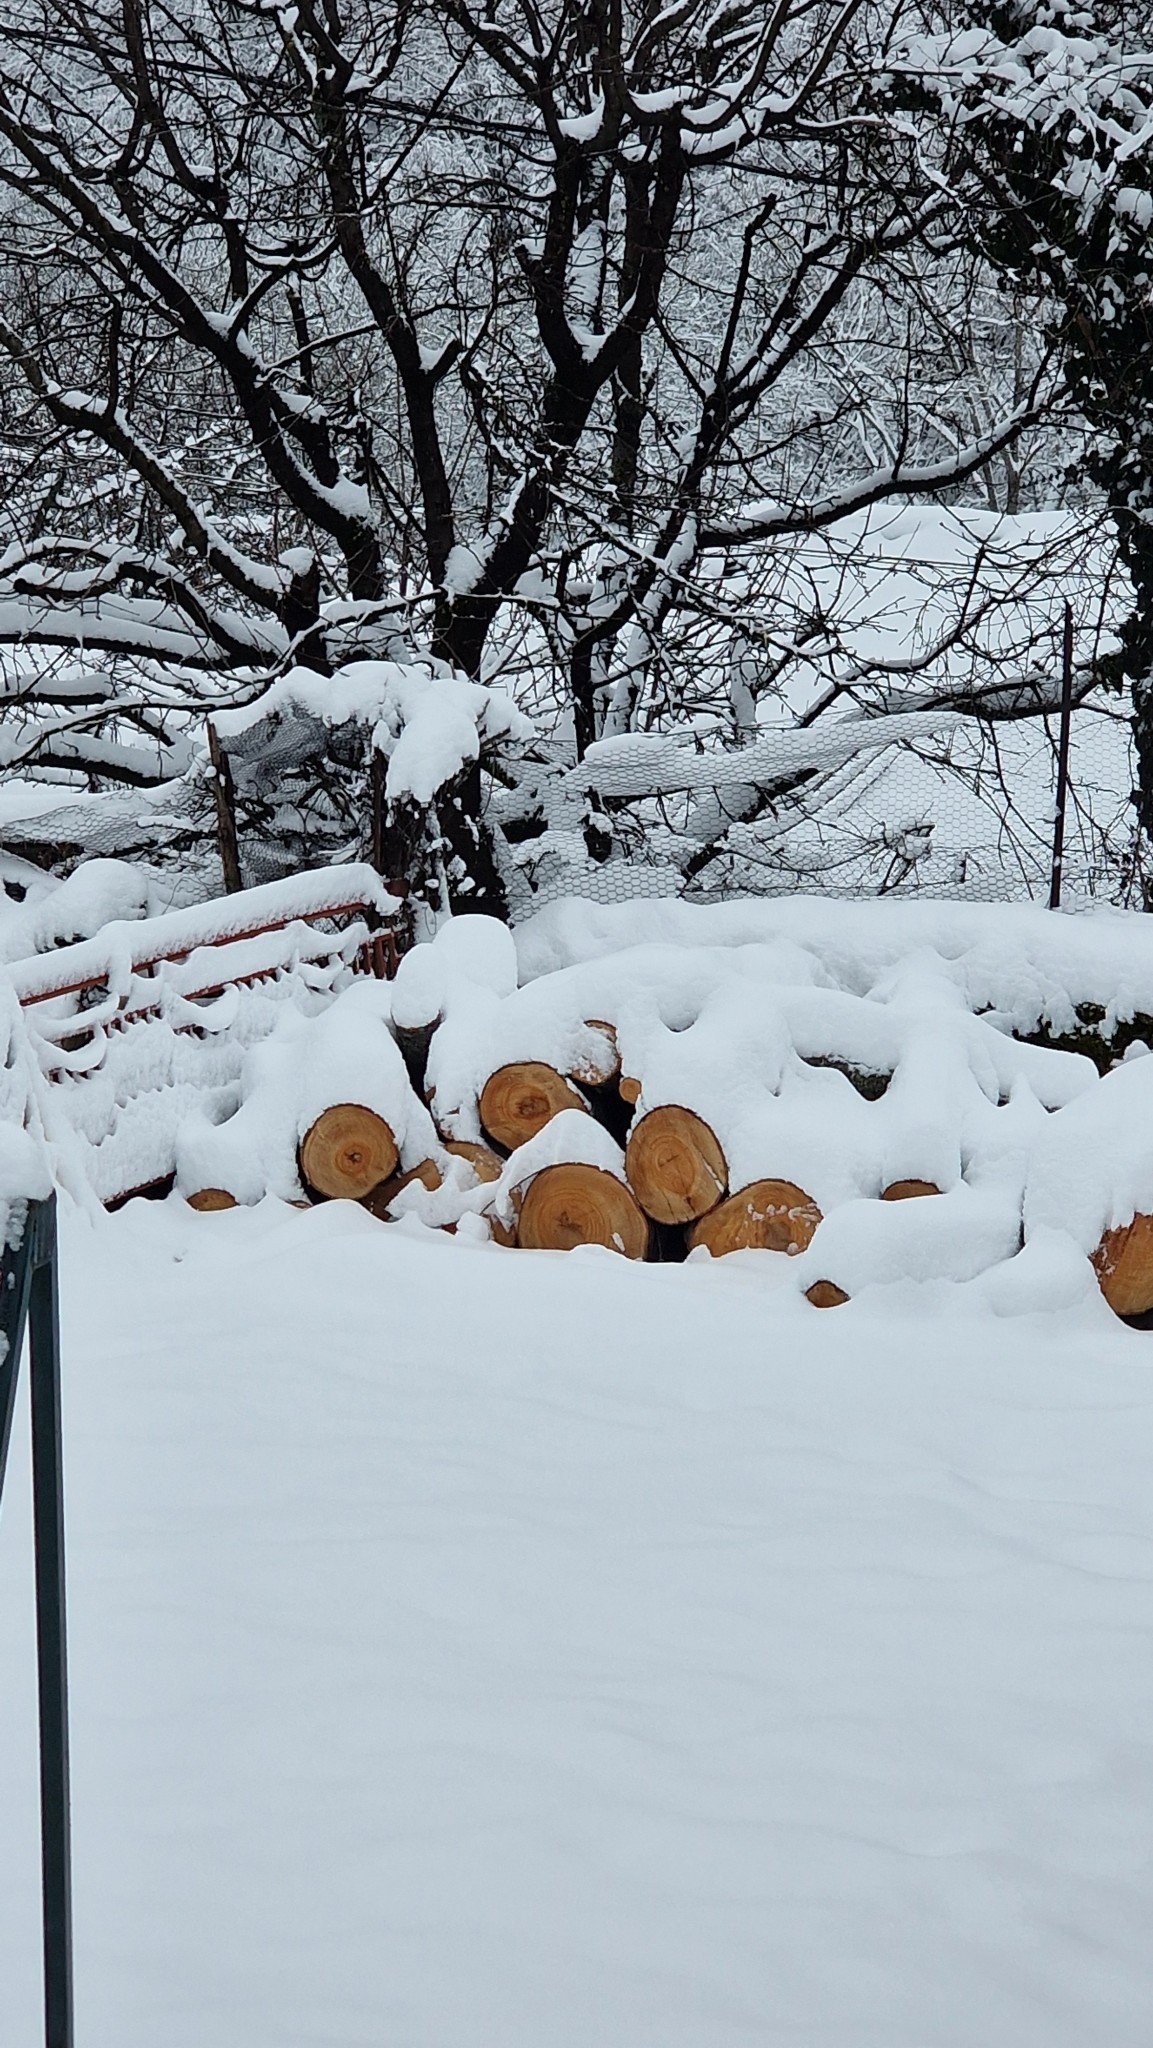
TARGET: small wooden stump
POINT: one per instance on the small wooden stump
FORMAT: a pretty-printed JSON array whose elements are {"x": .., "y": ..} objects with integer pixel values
[
  {"x": 909, "y": 1190},
  {"x": 675, "y": 1165},
  {"x": 378, "y": 1200},
  {"x": 208, "y": 1199},
  {"x": 825, "y": 1294},
  {"x": 1123, "y": 1262},
  {"x": 768, "y": 1215},
  {"x": 347, "y": 1152},
  {"x": 569, "y": 1205},
  {"x": 629, "y": 1090},
  {"x": 519, "y": 1100}
]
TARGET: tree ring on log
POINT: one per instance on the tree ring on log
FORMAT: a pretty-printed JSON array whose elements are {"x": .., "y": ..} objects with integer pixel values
[
  {"x": 520, "y": 1099},
  {"x": 347, "y": 1152},
  {"x": 675, "y": 1165},
  {"x": 567, "y": 1205}
]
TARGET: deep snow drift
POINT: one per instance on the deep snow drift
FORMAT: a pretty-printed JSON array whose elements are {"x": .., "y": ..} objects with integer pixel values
[{"x": 476, "y": 1648}]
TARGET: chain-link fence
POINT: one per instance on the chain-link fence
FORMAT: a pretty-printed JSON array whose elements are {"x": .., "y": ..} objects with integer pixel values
[{"x": 969, "y": 814}]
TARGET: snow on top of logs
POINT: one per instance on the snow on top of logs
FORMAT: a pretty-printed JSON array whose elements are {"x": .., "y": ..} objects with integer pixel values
[
  {"x": 1091, "y": 1169},
  {"x": 570, "y": 1139},
  {"x": 477, "y": 952},
  {"x": 652, "y": 764},
  {"x": 344, "y": 1056},
  {"x": 427, "y": 721},
  {"x": 123, "y": 947},
  {"x": 1016, "y": 963},
  {"x": 953, "y": 1237}
]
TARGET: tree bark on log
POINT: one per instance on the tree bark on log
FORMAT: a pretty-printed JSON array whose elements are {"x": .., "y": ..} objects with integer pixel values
[
  {"x": 347, "y": 1152},
  {"x": 675, "y": 1165},
  {"x": 520, "y": 1099},
  {"x": 570, "y": 1205},
  {"x": 768, "y": 1215}
]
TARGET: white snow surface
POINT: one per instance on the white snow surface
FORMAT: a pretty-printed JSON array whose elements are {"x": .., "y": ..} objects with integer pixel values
[{"x": 475, "y": 1647}]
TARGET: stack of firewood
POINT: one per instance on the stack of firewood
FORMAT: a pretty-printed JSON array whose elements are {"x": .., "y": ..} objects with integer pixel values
[{"x": 657, "y": 1106}]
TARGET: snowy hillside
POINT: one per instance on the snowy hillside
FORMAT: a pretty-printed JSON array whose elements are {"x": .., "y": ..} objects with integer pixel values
[{"x": 470, "y": 1648}]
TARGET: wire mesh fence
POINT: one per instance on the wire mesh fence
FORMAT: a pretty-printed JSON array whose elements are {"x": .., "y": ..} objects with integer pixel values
[{"x": 969, "y": 814}]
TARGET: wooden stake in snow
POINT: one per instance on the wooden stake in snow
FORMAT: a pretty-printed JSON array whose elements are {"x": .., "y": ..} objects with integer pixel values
[
  {"x": 1123, "y": 1262},
  {"x": 569, "y": 1205},
  {"x": 675, "y": 1165},
  {"x": 347, "y": 1152},
  {"x": 909, "y": 1190},
  {"x": 768, "y": 1215},
  {"x": 212, "y": 1198},
  {"x": 519, "y": 1100}
]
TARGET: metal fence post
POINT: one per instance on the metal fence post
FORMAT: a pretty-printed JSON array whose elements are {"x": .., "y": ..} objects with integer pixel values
[
  {"x": 1062, "y": 760},
  {"x": 29, "y": 1296}
]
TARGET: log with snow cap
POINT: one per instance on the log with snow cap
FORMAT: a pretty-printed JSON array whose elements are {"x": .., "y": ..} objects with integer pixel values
[
  {"x": 566, "y": 1187},
  {"x": 1091, "y": 1177},
  {"x": 326, "y": 1100},
  {"x": 869, "y": 1243},
  {"x": 571, "y": 1029},
  {"x": 467, "y": 960}
]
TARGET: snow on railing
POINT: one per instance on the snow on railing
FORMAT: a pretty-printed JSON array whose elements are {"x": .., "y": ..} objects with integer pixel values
[{"x": 128, "y": 948}]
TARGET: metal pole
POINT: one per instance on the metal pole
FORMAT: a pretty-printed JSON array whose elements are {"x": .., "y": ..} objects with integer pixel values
[
  {"x": 51, "y": 1638},
  {"x": 29, "y": 1297},
  {"x": 1062, "y": 760},
  {"x": 15, "y": 1278}
]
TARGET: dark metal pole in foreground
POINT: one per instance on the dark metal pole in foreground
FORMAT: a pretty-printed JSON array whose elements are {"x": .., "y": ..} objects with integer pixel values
[
  {"x": 29, "y": 1295},
  {"x": 1062, "y": 760}
]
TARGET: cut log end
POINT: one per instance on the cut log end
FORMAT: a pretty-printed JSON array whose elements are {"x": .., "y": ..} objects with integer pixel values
[
  {"x": 629, "y": 1090},
  {"x": 485, "y": 1163},
  {"x": 379, "y": 1200},
  {"x": 519, "y": 1100},
  {"x": 768, "y": 1215},
  {"x": 347, "y": 1152},
  {"x": 675, "y": 1165},
  {"x": 1123, "y": 1262},
  {"x": 569, "y": 1205},
  {"x": 208, "y": 1199},
  {"x": 909, "y": 1190},
  {"x": 825, "y": 1294},
  {"x": 600, "y": 1065}
]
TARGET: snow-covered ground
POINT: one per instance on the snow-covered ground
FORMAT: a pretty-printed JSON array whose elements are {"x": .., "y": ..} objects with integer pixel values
[{"x": 476, "y": 1649}]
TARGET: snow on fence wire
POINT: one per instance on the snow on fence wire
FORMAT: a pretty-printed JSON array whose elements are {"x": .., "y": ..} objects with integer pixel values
[{"x": 956, "y": 807}]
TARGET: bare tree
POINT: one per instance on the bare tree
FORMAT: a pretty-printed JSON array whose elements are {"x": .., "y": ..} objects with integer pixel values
[{"x": 476, "y": 335}]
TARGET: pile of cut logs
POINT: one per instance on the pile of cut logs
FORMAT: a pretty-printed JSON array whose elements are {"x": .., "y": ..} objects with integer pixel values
[{"x": 548, "y": 1153}]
